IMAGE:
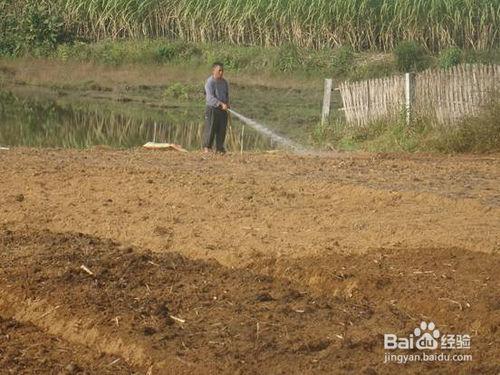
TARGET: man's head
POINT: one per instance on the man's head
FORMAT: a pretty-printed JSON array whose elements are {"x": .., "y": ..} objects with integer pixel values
[{"x": 217, "y": 70}]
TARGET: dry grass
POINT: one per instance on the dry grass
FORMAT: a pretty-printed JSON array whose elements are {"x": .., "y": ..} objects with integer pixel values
[{"x": 54, "y": 72}]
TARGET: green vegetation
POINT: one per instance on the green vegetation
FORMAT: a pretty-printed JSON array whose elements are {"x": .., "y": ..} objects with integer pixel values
[
  {"x": 410, "y": 57},
  {"x": 362, "y": 24},
  {"x": 32, "y": 27},
  {"x": 316, "y": 38},
  {"x": 342, "y": 63},
  {"x": 339, "y": 62},
  {"x": 480, "y": 133},
  {"x": 450, "y": 57}
]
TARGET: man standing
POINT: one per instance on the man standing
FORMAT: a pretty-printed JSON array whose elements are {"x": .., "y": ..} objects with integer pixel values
[{"x": 217, "y": 104}]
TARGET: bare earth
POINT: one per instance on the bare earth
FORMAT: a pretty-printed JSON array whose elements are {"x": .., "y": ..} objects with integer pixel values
[{"x": 243, "y": 264}]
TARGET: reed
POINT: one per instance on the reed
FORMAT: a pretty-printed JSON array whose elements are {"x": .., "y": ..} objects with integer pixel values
[{"x": 362, "y": 24}]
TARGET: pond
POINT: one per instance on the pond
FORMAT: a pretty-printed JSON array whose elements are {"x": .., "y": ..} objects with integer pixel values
[{"x": 38, "y": 122}]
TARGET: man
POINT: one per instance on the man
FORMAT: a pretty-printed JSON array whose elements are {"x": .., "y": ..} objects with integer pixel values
[{"x": 217, "y": 104}]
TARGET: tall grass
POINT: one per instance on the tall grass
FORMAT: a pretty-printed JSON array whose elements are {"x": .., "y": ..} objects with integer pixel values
[{"x": 362, "y": 24}]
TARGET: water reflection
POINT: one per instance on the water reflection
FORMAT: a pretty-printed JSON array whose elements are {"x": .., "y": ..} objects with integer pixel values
[{"x": 39, "y": 123}]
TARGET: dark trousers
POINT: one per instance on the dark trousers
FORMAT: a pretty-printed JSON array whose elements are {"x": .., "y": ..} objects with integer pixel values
[{"x": 215, "y": 128}]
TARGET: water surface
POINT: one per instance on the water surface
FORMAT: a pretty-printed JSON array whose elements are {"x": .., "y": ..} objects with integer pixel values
[{"x": 35, "y": 122}]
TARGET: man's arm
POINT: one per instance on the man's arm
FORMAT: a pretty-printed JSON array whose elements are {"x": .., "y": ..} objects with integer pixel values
[
  {"x": 210, "y": 93},
  {"x": 225, "y": 106}
]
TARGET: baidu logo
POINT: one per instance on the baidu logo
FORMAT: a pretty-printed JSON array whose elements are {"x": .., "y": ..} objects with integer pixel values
[
  {"x": 423, "y": 337},
  {"x": 426, "y": 337}
]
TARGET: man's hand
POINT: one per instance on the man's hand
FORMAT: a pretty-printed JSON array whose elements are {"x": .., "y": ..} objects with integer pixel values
[{"x": 224, "y": 106}]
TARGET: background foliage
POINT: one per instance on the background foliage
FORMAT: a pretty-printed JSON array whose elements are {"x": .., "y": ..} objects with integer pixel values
[{"x": 360, "y": 24}]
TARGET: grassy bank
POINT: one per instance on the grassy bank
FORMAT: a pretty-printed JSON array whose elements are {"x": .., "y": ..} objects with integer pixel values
[
  {"x": 476, "y": 134},
  {"x": 288, "y": 61},
  {"x": 342, "y": 62}
]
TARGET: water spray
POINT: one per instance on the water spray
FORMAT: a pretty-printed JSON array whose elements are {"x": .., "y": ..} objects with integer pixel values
[{"x": 269, "y": 133}]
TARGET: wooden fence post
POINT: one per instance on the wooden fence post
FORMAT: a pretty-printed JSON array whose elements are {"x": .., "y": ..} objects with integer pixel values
[
  {"x": 327, "y": 95},
  {"x": 409, "y": 95}
]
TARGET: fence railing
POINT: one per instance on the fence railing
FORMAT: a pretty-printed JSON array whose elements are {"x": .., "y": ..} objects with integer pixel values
[{"x": 446, "y": 95}]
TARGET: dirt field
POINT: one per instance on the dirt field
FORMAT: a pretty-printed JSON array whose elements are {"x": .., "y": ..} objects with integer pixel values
[{"x": 253, "y": 264}]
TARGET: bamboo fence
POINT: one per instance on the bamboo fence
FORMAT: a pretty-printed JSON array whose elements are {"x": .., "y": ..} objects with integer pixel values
[{"x": 446, "y": 95}]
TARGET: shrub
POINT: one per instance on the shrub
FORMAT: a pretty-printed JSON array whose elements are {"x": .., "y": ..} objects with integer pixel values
[
  {"x": 78, "y": 50},
  {"x": 288, "y": 58},
  {"x": 480, "y": 133},
  {"x": 230, "y": 59},
  {"x": 177, "y": 51},
  {"x": 343, "y": 61},
  {"x": 31, "y": 27},
  {"x": 165, "y": 53},
  {"x": 450, "y": 57},
  {"x": 410, "y": 56}
]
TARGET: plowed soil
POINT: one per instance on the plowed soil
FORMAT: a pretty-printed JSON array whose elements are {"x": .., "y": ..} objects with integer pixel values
[{"x": 123, "y": 262}]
